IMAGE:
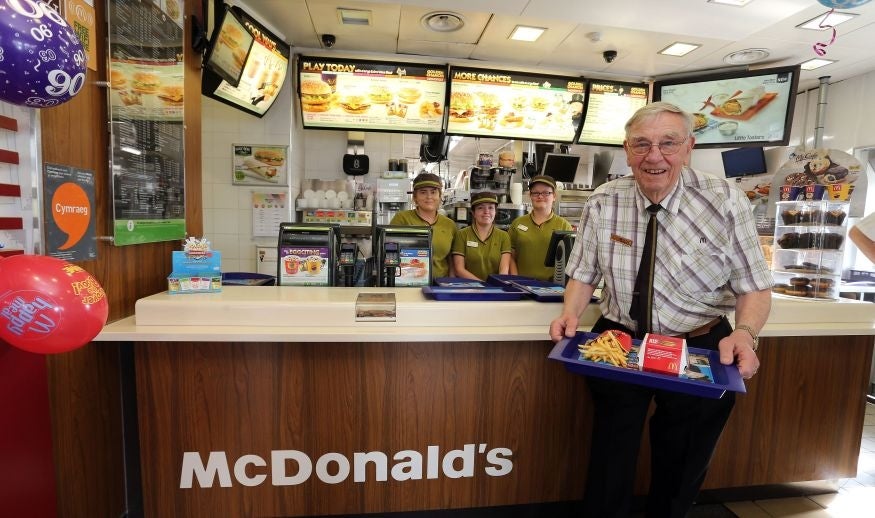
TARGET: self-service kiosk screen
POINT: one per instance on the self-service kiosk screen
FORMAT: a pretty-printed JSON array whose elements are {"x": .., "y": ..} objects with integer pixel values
[
  {"x": 414, "y": 269},
  {"x": 304, "y": 265}
]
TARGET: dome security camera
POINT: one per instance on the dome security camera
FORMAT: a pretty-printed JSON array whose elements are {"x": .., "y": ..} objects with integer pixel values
[
  {"x": 609, "y": 55},
  {"x": 329, "y": 40}
]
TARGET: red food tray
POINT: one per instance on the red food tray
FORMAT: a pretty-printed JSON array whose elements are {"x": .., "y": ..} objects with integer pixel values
[{"x": 726, "y": 377}]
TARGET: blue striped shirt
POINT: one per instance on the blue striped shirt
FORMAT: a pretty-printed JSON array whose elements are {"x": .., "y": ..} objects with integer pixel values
[{"x": 707, "y": 250}]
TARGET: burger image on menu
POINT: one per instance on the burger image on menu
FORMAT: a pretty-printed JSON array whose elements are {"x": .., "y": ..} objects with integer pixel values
[
  {"x": 355, "y": 104},
  {"x": 409, "y": 94},
  {"x": 117, "y": 79},
  {"x": 315, "y": 95},
  {"x": 379, "y": 94},
  {"x": 462, "y": 107},
  {"x": 145, "y": 82},
  {"x": 171, "y": 95}
]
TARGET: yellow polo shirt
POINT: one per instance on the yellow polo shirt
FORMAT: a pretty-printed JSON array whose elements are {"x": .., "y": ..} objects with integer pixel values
[
  {"x": 530, "y": 242},
  {"x": 482, "y": 258}
]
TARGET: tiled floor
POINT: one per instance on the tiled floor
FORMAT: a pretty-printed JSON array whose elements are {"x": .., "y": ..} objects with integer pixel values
[{"x": 854, "y": 499}]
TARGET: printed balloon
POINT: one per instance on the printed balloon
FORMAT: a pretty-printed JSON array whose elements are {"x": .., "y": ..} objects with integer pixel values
[
  {"x": 843, "y": 4},
  {"x": 42, "y": 62},
  {"x": 48, "y": 305}
]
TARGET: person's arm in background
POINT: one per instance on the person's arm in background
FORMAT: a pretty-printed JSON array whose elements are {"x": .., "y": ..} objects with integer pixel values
[
  {"x": 504, "y": 264},
  {"x": 461, "y": 271},
  {"x": 513, "y": 267},
  {"x": 864, "y": 244}
]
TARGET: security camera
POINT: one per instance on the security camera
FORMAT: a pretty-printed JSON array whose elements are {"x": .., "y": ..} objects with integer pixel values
[
  {"x": 329, "y": 40},
  {"x": 609, "y": 55}
]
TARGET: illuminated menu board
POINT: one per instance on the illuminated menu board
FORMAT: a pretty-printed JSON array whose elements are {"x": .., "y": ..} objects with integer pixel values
[
  {"x": 609, "y": 104},
  {"x": 736, "y": 109},
  {"x": 371, "y": 95},
  {"x": 503, "y": 104}
]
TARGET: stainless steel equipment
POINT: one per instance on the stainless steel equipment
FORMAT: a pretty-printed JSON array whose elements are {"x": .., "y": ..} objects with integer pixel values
[{"x": 393, "y": 195}]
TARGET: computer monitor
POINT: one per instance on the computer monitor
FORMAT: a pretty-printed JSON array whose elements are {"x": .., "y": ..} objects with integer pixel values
[
  {"x": 561, "y": 167},
  {"x": 555, "y": 239},
  {"x": 744, "y": 161}
]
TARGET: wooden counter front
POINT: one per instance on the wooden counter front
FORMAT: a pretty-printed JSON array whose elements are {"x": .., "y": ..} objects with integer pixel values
[{"x": 801, "y": 420}]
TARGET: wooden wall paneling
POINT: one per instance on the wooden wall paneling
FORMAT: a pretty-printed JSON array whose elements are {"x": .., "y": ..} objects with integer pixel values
[{"x": 84, "y": 384}]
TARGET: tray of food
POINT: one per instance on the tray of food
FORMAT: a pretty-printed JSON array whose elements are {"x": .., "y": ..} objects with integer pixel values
[{"x": 703, "y": 376}]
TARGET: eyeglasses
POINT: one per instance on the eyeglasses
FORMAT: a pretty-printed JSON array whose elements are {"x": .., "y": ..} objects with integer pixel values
[
  {"x": 666, "y": 147},
  {"x": 540, "y": 194}
]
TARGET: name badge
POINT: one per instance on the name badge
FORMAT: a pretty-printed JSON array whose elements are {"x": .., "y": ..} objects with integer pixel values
[
  {"x": 472, "y": 244},
  {"x": 523, "y": 228}
]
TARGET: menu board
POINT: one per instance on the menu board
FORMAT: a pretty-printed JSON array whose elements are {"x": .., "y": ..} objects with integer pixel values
[
  {"x": 371, "y": 95},
  {"x": 501, "y": 104},
  {"x": 609, "y": 104},
  {"x": 146, "y": 129},
  {"x": 749, "y": 108},
  {"x": 264, "y": 70},
  {"x": 227, "y": 55}
]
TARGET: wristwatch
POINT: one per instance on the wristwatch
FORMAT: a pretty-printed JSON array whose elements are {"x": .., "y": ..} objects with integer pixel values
[{"x": 752, "y": 333}]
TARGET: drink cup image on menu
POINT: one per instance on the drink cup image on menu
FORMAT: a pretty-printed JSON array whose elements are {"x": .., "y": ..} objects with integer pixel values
[
  {"x": 314, "y": 265},
  {"x": 292, "y": 264}
]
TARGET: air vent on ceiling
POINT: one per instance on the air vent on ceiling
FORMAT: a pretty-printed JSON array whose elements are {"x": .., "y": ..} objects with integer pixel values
[
  {"x": 746, "y": 56},
  {"x": 443, "y": 21}
]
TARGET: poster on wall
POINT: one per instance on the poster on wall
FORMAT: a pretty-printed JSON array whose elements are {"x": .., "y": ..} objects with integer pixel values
[
  {"x": 269, "y": 209},
  {"x": 68, "y": 206},
  {"x": 146, "y": 122},
  {"x": 256, "y": 164}
]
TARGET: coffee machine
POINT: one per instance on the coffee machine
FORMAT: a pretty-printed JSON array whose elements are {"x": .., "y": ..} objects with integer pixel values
[{"x": 393, "y": 196}]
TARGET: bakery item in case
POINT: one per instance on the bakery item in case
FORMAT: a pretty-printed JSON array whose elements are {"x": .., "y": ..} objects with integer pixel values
[
  {"x": 799, "y": 281},
  {"x": 797, "y": 291},
  {"x": 315, "y": 95}
]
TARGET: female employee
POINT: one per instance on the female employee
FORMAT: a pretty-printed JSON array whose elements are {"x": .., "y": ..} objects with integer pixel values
[
  {"x": 427, "y": 201},
  {"x": 530, "y": 234},
  {"x": 480, "y": 249}
]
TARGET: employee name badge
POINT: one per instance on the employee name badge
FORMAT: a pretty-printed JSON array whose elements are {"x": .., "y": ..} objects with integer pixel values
[
  {"x": 522, "y": 228},
  {"x": 472, "y": 244}
]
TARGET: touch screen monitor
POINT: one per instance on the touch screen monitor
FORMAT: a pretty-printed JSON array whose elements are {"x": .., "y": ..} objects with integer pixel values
[
  {"x": 744, "y": 161},
  {"x": 561, "y": 167}
]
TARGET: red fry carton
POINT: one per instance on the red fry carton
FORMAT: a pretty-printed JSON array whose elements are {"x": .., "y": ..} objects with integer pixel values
[{"x": 663, "y": 354}]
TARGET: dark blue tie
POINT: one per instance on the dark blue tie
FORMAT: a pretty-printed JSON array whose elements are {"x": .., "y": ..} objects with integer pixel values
[{"x": 641, "y": 309}]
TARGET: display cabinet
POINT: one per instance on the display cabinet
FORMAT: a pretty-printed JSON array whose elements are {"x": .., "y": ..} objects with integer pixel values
[{"x": 808, "y": 248}]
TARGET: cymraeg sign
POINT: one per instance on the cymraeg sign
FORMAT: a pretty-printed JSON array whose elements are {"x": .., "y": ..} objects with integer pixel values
[{"x": 294, "y": 467}]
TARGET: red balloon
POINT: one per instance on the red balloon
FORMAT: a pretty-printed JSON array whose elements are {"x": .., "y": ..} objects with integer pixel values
[{"x": 48, "y": 305}]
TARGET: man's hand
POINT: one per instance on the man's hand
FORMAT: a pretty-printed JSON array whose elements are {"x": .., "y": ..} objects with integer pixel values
[
  {"x": 738, "y": 348},
  {"x": 563, "y": 327}
]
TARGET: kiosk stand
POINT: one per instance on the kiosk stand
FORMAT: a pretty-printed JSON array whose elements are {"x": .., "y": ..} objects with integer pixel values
[
  {"x": 307, "y": 254},
  {"x": 403, "y": 255}
]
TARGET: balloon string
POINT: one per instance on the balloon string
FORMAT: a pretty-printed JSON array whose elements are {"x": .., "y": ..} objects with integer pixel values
[{"x": 820, "y": 47}]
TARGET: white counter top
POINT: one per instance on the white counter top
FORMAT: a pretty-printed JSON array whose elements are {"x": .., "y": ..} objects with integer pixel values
[{"x": 269, "y": 314}]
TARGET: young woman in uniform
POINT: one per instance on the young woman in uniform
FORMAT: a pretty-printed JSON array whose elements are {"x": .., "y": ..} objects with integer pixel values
[
  {"x": 480, "y": 249},
  {"x": 530, "y": 234}
]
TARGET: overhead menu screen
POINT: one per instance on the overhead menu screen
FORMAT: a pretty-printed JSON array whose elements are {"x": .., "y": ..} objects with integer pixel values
[
  {"x": 609, "y": 105},
  {"x": 502, "y": 104},
  {"x": 736, "y": 109},
  {"x": 371, "y": 95}
]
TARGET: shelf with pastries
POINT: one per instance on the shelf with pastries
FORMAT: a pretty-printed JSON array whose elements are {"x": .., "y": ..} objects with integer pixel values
[
  {"x": 804, "y": 262},
  {"x": 814, "y": 286},
  {"x": 824, "y": 213}
]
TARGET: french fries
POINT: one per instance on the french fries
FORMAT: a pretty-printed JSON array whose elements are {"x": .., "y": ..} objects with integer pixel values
[{"x": 605, "y": 348}]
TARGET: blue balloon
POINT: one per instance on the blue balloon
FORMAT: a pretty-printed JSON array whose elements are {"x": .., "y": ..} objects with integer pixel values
[
  {"x": 843, "y": 4},
  {"x": 42, "y": 62}
]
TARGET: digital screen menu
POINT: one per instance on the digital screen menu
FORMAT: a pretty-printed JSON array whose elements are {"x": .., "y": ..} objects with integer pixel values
[
  {"x": 741, "y": 109},
  {"x": 371, "y": 95},
  {"x": 609, "y": 105},
  {"x": 502, "y": 104},
  {"x": 264, "y": 70}
]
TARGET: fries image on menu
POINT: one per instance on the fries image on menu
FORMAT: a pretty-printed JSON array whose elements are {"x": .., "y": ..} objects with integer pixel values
[{"x": 605, "y": 348}]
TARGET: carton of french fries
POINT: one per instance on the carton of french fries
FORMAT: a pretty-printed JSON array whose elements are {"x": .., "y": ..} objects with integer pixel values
[{"x": 611, "y": 347}]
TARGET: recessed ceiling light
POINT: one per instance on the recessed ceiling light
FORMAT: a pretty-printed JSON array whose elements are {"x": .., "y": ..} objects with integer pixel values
[
  {"x": 526, "y": 33},
  {"x": 734, "y": 3},
  {"x": 812, "y": 64},
  {"x": 353, "y": 16},
  {"x": 826, "y": 20},
  {"x": 443, "y": 21},
  {"x": 743, "y": 57},
  {"x": 679, "y": 49}
]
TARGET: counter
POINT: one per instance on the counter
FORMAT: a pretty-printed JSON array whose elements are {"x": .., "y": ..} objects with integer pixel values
[{"x": 281, "y": 404}]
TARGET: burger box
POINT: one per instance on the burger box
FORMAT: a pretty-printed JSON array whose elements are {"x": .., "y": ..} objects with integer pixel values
[
  {"x": 720, "y": 378},
  {"x": 195, "y": 272},
  {"x": 663, "y": 354}
]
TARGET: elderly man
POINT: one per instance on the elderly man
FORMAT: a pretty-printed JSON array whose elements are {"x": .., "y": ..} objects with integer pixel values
[{"x": 702, "y": 261}]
